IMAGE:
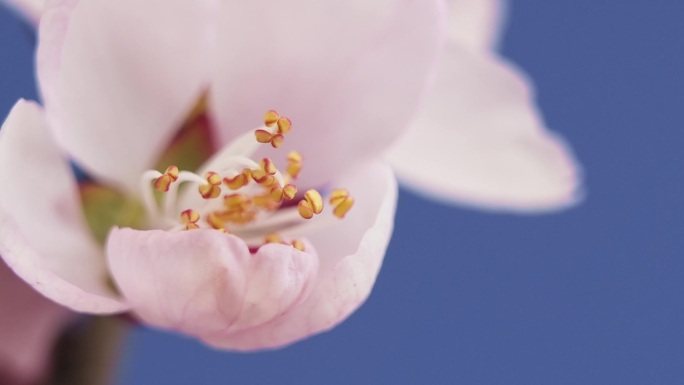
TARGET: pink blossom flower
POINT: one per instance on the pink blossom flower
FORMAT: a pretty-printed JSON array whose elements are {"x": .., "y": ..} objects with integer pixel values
[
  {"x": 29, "y": 325},
  {"x": 121, "y": 79},
  {"x": 130, "y": 84}
]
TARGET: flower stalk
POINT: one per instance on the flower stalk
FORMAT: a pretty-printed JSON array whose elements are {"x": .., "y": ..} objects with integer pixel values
[{"x": 89, "y": 353}]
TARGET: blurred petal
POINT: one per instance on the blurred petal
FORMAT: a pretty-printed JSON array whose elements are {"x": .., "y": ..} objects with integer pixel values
[
  {"x": 43, "y": 237},
  {"x": 204, "y": 281},
  {"x": 280, "y": 277},
  {"x": 115, "y": 89},
  {"x": 349, "y": 74},
  {"x": 480, "y": 141},
  {"x": 350, "y": 252},
  {"x": 476, "y": 24},
  {"x": 29, "y": 326},
  {"x": 29, "y": 9}
]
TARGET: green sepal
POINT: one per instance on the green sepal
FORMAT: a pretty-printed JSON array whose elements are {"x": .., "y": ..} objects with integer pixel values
[{"x": 105, "y": 207}]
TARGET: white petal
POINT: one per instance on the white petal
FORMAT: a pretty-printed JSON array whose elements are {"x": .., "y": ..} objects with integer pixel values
[
  {"x": 43, "y": 237},
  {"x": 476, "y": 24},
  {"x": 118, "y": 78},
  {"x": 349, "y": 74},
  {"x": 480, "y": 141}
]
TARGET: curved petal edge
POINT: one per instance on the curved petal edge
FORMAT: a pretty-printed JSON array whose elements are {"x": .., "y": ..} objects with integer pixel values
[
  {"x": 43, "y": 236},
  {"x": 480, "y": 141}
]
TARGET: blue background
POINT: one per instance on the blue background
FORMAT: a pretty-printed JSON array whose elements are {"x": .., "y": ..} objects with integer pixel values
[{"x": 589, "y": 296}]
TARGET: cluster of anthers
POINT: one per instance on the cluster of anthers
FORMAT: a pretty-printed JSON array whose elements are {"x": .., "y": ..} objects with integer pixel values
[{"x": 248, "y": 192}]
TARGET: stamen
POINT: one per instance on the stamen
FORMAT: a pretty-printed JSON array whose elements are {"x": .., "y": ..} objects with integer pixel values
[
  {"x": 268, "y": 166},
  {"x": 277, "y": 140},
  {"x": 297, "y": 244},
  {"x": 284, "y": 125},
  {"x": 311, "y": 204},
  {"x": 342, "y": 202},
  {"x": 166, "y": 179},
  {"x": 263, "y": 136},
  {"x": 215, "y": 222},
  {"x": 271, "y": 118},
  {"x": 278, "y": 193},
  {"x": 237, "y": 202},
  {"x": 238, "y": 181},
  {"x": 274, "y": 238},
  {"x": 262, "y": 177},
  {"x": 294, "y": 164},
  {"x": 212, "y": 189},
  {"x": 242, "y": 208},
  {"x": 265, "y": 201},
  {"x": 314, "y": 198},
  {"x": 190, "y": 219},
  {"x": 265, "y": 176}
]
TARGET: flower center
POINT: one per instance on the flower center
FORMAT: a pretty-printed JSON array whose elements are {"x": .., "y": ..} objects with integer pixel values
[{"x": 235, "y": 194}]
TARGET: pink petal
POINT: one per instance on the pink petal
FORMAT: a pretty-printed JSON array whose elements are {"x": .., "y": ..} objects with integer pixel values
[
  {"x": 349, "y": 74},
  {"x": 29, "y": 325},
  {"x": 118, "y": 77},
  {"x": 43, "y": 237},
  {"x": 476, "y": 24},
  {"x": 351, "y": 253},
  {"x": 480, "y": 141},
  {"x": 204, "y": 281},
  {"x": 30, "y": 9}
]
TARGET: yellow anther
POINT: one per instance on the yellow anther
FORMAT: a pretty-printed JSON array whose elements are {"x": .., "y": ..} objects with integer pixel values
[
  {"x": 277, "y": 140},
  {"x": 294, "y": 157},
  {"x": 337, "y": 196},
  {"x": 305, "y": 209},
  {"x": 239, "y": 217},
  {"x": 343, "y": 207},
  {"x": 213, "y": 178},
  {"x": 263, "y": 136},
  {"x": 294, "y": 164},
  {"x": 163, "y": 183},
  {"x": 274, "y": 238},
  {"x": 310, "y": 205},
  {"x": 268, "y": 166},
  {"x": 190, "y": 218},
  {"x": 168, "y": 177},
  {"x": 289, "y": 191},
  {"x": 209, "y": 192},
  {"x": 263, "y": 178},
  {"x": 279, "y": 193},
  {"x": 342, "y": 202},
  {"x": 212, "y": 189},
  {"x": 237, "y": 202},
  {"x": 265, "y": 202},
  {"x": 284, "y": 125},
  {"x": 314, "y": 199},
  {"x": 214, "y": 220},
  {"x": 271, "y": 118},
  {"x": 276, "y": 194},
  {"x": 238, "y": 181},
  {"x": 297, "y": 244},
  {"x": 172, "y": 171}
]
